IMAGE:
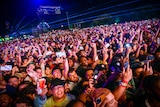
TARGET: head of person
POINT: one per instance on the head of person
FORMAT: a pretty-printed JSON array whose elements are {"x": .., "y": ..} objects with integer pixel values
[
  {"x": 47, "y": 70},
  {"x": 83, "y": 61},
  {"x": 61, "y": 66},
  {"x": 15, "y": 68},
  {"x": 70, "y": 62},
  {"x": 39, "y": 72},
  {"x": 5, "y": 100},
  {"x": 156, "y": 68},
  {"x": 103, "y": 97},
  {"x": 29, "y": 91},
  {"x": 23, "y": 102},
  {"x": 57, "y": 89},
  {"x": 31, "y": 66},
  {"x": 82, "y": 53},
  {"x": 137, "y": 69},
  {"x": 89, "y": 74},
  {"x": 25, "y": 60},
  {"x": 142, "y": 51},
  {"x": 157, "y": 53},
  {"x": 14, "y": 81},
  {"x": 72, "y": 76},
  {"x": 57, "y": 73},
  {"x": 151, "y": 85}
]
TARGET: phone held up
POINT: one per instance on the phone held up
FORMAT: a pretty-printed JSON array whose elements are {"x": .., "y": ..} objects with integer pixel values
[{"x": 41, "y": 85}]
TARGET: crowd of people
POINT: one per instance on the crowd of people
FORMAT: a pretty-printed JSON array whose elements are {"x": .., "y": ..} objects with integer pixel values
[{"x": 115, "y": 65}]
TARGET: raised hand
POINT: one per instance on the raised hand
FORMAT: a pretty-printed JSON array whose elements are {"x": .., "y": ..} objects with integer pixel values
[
  {"x": 43, "y": 91},
  {"x": 147, "y": 70},
  {"x": 127, "y": 73}
]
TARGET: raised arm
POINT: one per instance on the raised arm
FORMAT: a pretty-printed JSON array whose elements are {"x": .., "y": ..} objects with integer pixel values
[
  {"x": 66, "y": 68},
  {"x": 126, "y": 77}
]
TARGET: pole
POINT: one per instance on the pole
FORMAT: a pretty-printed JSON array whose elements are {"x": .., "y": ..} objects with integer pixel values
[{"x": 68, "y": 20}]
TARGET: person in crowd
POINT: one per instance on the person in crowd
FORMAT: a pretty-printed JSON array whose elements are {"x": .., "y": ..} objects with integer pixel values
[
  {"x": 56, "y": 74},
  {"x": 23, "y": 102},
  {"x": 15, "y": 69},
  {"x": 41, "y": 98},
  {"x": 151, "y": 98},
  {"x": 6, "y": 100},
  {"x": 59, "y": 97},
  {"x": 14, "y": 81},
  {"x": 89, "y": 74},
  {"x": 48, "y": 72},
  {"x": 100, "y": 74},
  {"x": 73, "y": 82},
  {"x": 109, "y": 53},
  {"x": 156, "y": 62},
  {"x": 39, "y": 72},
  {"x": 12, "y": 86},
  {"x": 83, "y": 66},
  {"x": 28, "y": 91}
]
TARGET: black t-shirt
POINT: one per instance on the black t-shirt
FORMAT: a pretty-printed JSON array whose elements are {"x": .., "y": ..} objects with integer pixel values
[
  {"x": 142, "y": 57},
  {"x": 140, "y": 101},
  {"x": 81, "y": 71}
]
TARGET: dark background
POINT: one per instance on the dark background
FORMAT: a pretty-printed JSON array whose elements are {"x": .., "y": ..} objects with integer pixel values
[{"x": 22, "y": 14}]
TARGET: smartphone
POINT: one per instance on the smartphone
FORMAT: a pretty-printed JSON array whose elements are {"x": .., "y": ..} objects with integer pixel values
[
  {"x": 81, "y": 48},
  {"x": 41, "y": 85},
  {"x": 127, "y": 45},
  {"x": 126, "y": 65},
  {"x": 107, "y": 45},
  {"x": 39, "y": 91},
  {"x": 60, "y": 54},
  {"x": 6, "y": 68},
  {"x": 95, "y": 74},
  {"x": 48, "y": 53},
  {"x": 95, "y": 77},
  {"x": 150, "y": 57},
  {"x": 149, "y": 26}
]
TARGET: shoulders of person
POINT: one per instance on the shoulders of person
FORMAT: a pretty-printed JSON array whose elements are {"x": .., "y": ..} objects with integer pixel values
[
  {"x": 39, "y": 101},
  {"x": 41, "y": 98},
  {"x": 49, "y": 102}
]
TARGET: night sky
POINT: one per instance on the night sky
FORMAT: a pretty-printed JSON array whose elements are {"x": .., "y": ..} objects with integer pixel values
[{"x": 17, "y": 13}]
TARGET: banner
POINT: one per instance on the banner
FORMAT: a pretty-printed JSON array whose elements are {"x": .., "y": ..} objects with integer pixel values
[{"x": 49, "y": 10}]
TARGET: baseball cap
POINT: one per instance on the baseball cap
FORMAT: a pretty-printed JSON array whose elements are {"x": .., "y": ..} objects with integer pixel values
[{"x": 56, "y": 82}]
